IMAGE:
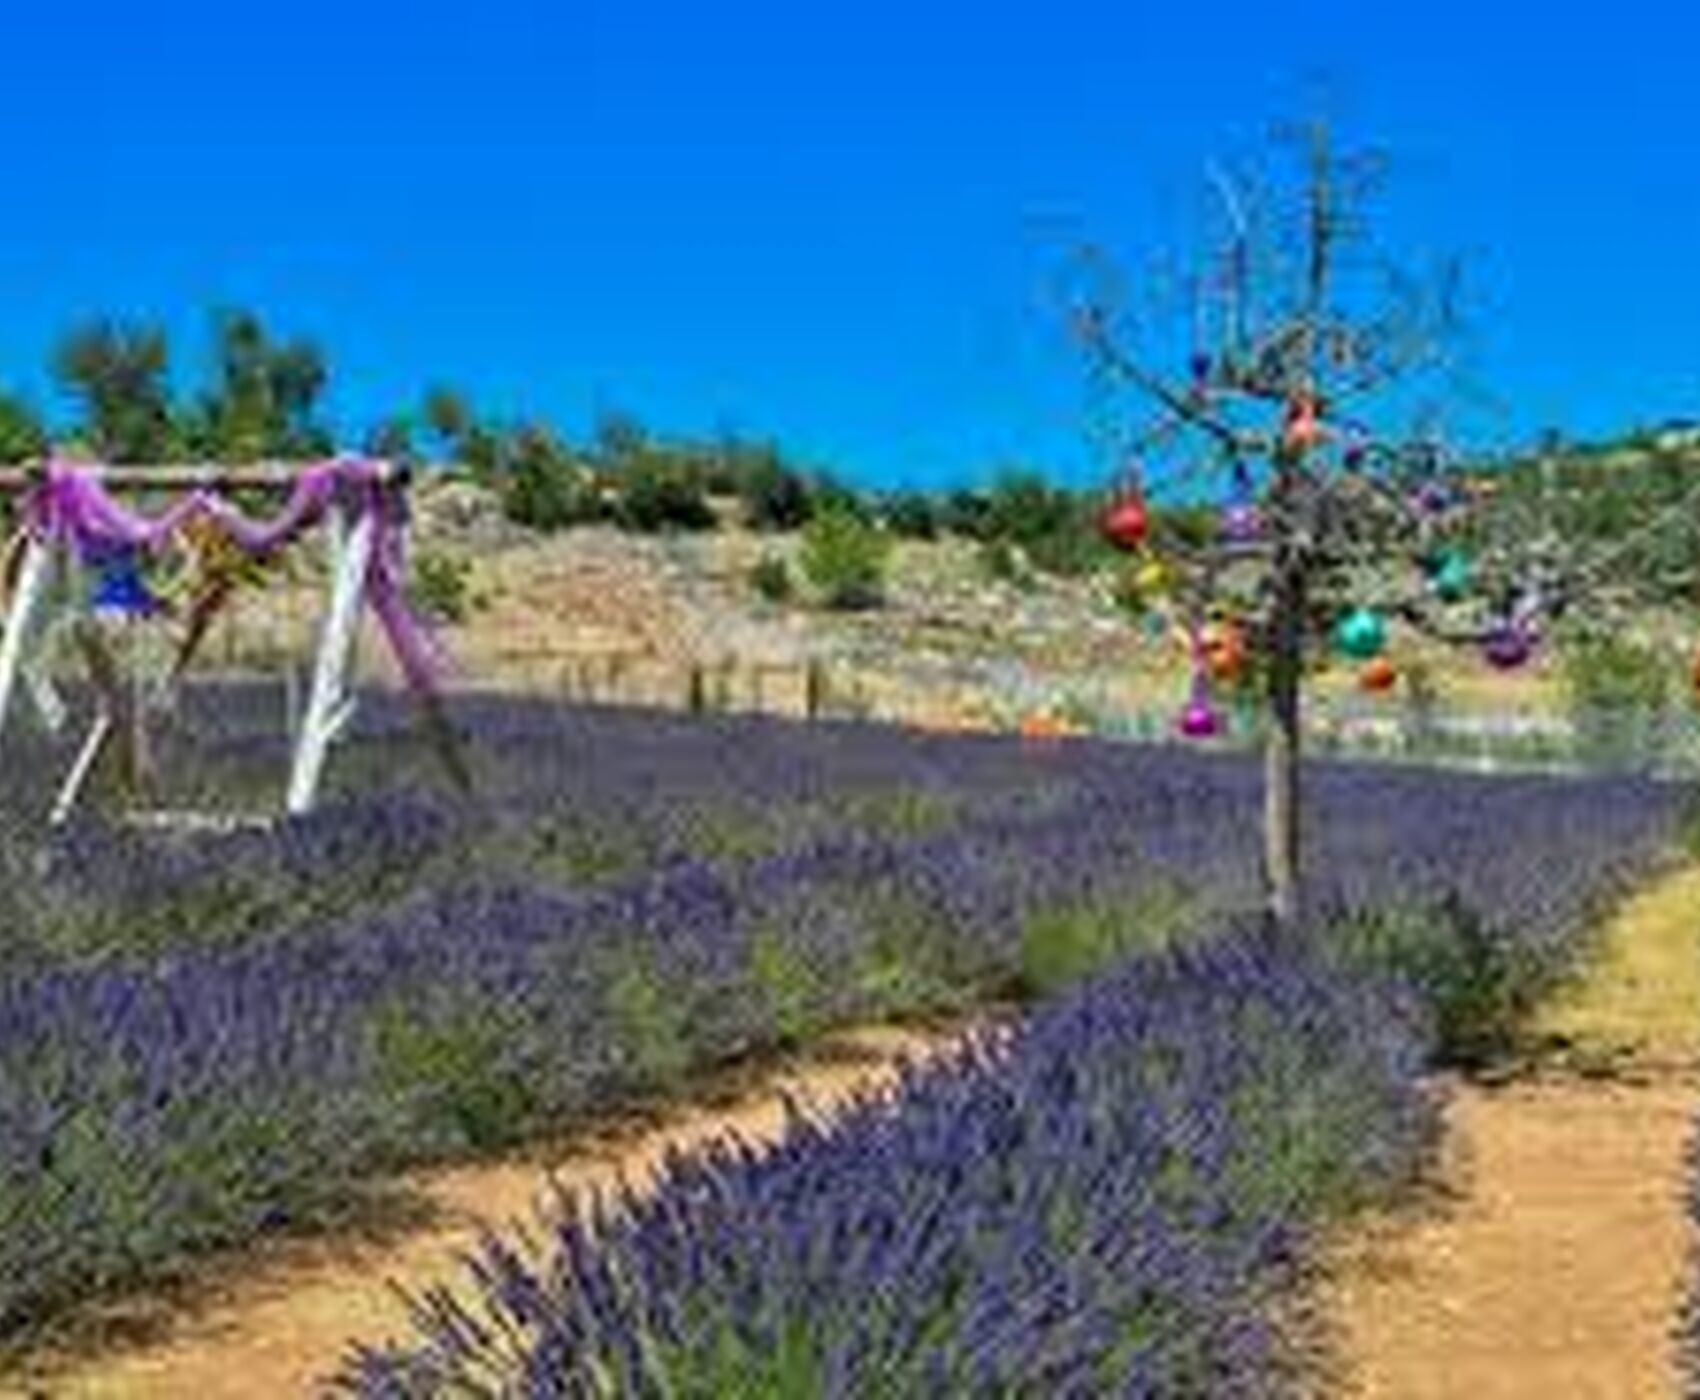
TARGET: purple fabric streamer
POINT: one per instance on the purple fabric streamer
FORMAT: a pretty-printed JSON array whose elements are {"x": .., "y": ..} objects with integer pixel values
[{"x": 71, "y": 506}]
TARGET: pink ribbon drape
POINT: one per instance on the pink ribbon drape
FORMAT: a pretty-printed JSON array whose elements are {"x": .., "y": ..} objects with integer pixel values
[{"x": 71, "y": 506}]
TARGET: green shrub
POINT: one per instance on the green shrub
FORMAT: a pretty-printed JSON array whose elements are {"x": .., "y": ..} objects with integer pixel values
[
  {"x": 846, "y": 559},
  {"x": 544, "y": 487},
  {"x": 1070, "y": 549},
  {"x": 1476, "y": 985},
  {"x": 1001, "y": 562},
  {"x": 659, "y": 493},
  {"x": 1618, "y": 691},
  {"x": 441, "y": 586},
  {"x": 969, "y": 514},
  {"x": 774, "y": 496},
  {"x": 912, "y": 515},
  {"x": 650, "y": 1025},
  {"x": 771, "y": 578},
  {"x": 1064, "y": 944},
  {"x": 447, "y": 1067},
  {"x": 21, "y": 434},
  {"x": 793, "y": 993}
]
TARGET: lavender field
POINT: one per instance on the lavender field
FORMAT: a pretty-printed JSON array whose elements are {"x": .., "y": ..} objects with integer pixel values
[{"x": 204, "y": 1041}]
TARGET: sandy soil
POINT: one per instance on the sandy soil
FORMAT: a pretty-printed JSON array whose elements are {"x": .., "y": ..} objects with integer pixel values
[
  {"x": 277, "y": 1328},
  {"x": 1556, "y": 1271},
  {"x": 1555, "y": 1257}
]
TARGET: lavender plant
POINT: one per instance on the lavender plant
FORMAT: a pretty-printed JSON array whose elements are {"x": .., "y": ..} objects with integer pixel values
[
  {"x": 1104, "y": 1204},
  {"x": 202, "y": 1043}
]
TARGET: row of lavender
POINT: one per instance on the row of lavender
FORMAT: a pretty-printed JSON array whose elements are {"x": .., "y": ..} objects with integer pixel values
[
  {"x": 1116, "y": 1200},
  {"x": 564, "y": 797},
  {"x": 1112, "y": 1202},
  {"x": 155, "y": 1104}
]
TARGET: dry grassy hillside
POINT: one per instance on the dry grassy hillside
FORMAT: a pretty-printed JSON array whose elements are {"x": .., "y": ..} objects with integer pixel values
[{"x": 627, "y": 617}]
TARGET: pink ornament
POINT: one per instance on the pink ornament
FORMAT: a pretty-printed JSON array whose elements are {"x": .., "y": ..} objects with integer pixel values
[{"x": 1198, "y": 720}]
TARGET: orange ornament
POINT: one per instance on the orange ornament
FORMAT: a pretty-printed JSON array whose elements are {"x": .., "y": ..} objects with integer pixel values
[
  {"x": 1304, "y": 428},
  {"x": 1224, "y": 650},
  {"x": 1378, "y": 674},
  {"x": 1039, "y": 725}
]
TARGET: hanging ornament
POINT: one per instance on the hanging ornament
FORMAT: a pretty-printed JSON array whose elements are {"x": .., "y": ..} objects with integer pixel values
[
  {"x": 1041, "y": 724},
  {"x": 1126, "y": 521},
  {"x": 118, "y": 586},
  {"x": 1240, "y": 522},
  {"x": 1450, "y": 576},
  {"x": 1355, "y": 453},
  {"x": 1432, "y": 498},
  {"x": 1222, "y": 645},
  {"x": 1199, "y": 720},
  {"x": 1200, "y": 366},
  {"x": 1508, "y": 646},
  {"x": 1303, "y": 429},
  {"x": 1378, "y": 674},
  {"x": 1152, "y": 576},
  {"x": 1361, "y": 634}
]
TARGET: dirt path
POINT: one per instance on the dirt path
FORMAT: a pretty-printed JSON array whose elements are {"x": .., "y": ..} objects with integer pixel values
[
  {"x": 278, "y": 1328},
  {"x": 1557, "y": 1258}
]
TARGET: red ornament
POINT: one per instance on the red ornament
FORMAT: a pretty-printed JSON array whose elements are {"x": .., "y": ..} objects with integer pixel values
[
  {"x": 1126, "y": 522},
  {"x": 1378, "y": 674}
]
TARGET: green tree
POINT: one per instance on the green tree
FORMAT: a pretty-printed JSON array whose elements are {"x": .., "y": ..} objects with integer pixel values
[
  {"x": 968, "y": 513},
  {"x": 22, "y": 436},
  {"x": 659, "y": 490},
  {"x": 392, "y": 438},
  {"x": 774, "y": 496},
  {"x": 265, "y": 393},
  {"x": 619, "y": 438},
  {"x": 448, "y": 418},
  {"x": 911, "y": 515},
  {"x": 543, "y": 485},
  {"x": 118, "y": 370}
]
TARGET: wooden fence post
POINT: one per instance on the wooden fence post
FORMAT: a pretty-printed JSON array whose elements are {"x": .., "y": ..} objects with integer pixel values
[{"x": 814, "y": 688}]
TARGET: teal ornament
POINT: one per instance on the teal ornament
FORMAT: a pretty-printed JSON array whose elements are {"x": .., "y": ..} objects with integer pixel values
[
  {"x": 1450, "y": 578},
  {"x": 1361, "y": 634}
]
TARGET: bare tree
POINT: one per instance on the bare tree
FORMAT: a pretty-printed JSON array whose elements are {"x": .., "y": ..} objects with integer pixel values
[{"x": 1304, "y": 343}]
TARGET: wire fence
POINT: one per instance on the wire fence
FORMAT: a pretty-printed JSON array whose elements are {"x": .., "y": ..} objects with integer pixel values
[{"x": 1002, "y": 695}]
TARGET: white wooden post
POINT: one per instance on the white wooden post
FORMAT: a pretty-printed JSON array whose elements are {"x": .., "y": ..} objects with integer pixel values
[
  {"x": 75, "y": 780},
  {"x": 328, "y": 708},
  {"x": 20, "y": 618}
]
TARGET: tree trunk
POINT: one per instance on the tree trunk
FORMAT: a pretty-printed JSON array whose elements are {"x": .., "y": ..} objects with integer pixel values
[
  {"x": 1281, "y": 814},
  {"x": 1281, "y": 800}
]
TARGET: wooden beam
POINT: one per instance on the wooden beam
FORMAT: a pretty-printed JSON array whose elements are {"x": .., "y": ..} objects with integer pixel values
[{"x": 260, "y": 476}]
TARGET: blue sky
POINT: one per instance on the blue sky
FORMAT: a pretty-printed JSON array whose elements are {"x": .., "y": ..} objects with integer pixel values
[{"x": 832, "y": 224}]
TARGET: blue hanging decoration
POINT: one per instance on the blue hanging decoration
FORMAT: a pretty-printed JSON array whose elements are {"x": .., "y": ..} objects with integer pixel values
[
  {"x": 1240, "y": 521},
  {"x": 119, "y": 588}
]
